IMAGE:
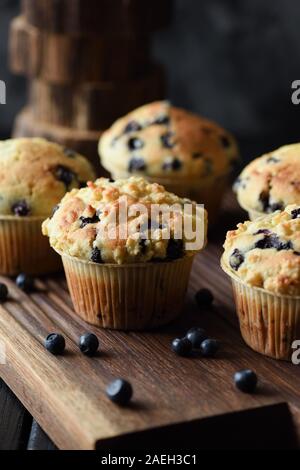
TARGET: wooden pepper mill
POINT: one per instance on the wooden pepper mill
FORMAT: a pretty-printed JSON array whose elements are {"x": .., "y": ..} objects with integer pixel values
[{"x": 88, "y": 63}]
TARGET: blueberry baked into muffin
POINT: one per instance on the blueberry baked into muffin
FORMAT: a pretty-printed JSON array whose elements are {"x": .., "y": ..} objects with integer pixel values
[
  {"x": 270, "y": 182},
  {"x": 126, "y": 272},
  {"x": 188, "y": 154},
  {"x": 262, "y": 258},
  {"x": 34, "y": 176}
]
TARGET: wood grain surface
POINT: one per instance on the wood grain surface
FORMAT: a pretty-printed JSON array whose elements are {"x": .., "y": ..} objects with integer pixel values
[
  {"x": 176, "y": 400},
  {"x": 66, "y": 59},
  {"x": 84, "y": 142},
  {"x": 93, "y": 106},
  {"x": 97, "y": 16}
]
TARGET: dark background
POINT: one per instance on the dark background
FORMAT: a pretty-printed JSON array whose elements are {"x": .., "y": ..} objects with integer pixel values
[{"x": 230, "y": 60}]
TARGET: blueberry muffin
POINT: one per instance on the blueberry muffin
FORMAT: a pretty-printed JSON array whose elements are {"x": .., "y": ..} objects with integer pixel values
[
  {"x": 34, "y": 176},
  {"x": 126, "y": 253},
  {"x": 262, "y": 258},
  {"x": 185, "y": 152},
  {"x": 270, "y": 182}
]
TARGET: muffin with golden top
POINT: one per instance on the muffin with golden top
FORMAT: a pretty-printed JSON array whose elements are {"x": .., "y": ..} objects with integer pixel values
[
  {"x": 188, "y": 154},
  {"x": 34, "y": 175},
  {"x": 262, "y": 258},
  {"x": 126, "y": 253},
  {"x": 270, "y": 182}
]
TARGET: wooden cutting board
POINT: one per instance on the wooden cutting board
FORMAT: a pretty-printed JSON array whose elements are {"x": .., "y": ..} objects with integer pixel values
[{"x": 177, "y": 401}]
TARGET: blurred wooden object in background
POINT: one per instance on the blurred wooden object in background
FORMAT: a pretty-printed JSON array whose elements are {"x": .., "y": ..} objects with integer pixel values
[{"x": 88, "y": 63}]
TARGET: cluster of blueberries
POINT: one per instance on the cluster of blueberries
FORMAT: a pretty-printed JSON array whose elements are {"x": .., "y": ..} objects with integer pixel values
[{"x": 196, "y": 341}]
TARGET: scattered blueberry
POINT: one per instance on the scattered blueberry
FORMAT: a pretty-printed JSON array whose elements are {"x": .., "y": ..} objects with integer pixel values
[
  {"x": 88, "y": 344},
  {"x": 264, "y": 198},
  {"x": 174, "y": 249},
  {"x": 143, "y": 246},
  {"x": 271, "y": 240},
  {"x": 132, "y": 126},
  {"x": 295, "y": 213},
  {"x": 96, "y": 256},
  {"x": 276, "y": 206},
  {"x": 196, "y": 336},
  {"x": 167, "y": 140},
  {"x": 64, "y": 174},
  {"x": 25, "y": 282},
  {"x": 209, "y": 347},
  {"x": 225, "y": 141},
  {"x": 172, "y": 164},
  {"x": 20, "y": 208},
  {"x": 266, "y": 231},
  {"x": 3, "y": 292},
  {"x": 204, "y": 297},
  {"x": 134, "y": 143},
  {"x": 55, "y": 209},
  {"x": 111, "y": 180},
  {"x": 245, "y": 380},
  {"x": 236, "y": 259},
  {"x": 88, "y": 220},
  {"x": 55, "y": 344},
  {"x": 120, "y": 392},
  {"x": 70, "y": 153},
  {"x": 197, "y": 155},
  {"x": 273, "y": 160},
  {"x": 136, "y": 164},
  {"x": 162, "y": 120},
  {"x": 182, "y": 346},
  {"x": 267, "y": 205}
]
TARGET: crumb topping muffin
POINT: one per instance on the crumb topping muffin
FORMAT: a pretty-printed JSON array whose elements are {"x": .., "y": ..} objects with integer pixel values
[
  {"x": 271, "y": 182},
  {"x": 266, "y": 252},
  {"x": 159, "y": 140},
  {"x": 87, "y": 223},
  {"x": 35, "y": 174}
]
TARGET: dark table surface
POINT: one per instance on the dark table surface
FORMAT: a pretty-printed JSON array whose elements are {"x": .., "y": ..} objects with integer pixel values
[{"x": 18, "y": 431}]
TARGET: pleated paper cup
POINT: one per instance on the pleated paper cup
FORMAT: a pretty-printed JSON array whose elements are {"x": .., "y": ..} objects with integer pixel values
[
  {"x": 23, "y": 248},
  {"x": 269, "y": 322},
  {"x": 127, "y": 297},
  {"x": 208, "y": 191}
]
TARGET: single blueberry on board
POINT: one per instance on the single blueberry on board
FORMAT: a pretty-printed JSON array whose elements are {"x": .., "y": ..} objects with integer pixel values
[
  {"x": 25, "y": 282},
  {"x": 55, "y": 344},
  {"x": 88, "y": 344},
  {"x": 245, "y": 380},
  {"x": 119, "y": 392}
]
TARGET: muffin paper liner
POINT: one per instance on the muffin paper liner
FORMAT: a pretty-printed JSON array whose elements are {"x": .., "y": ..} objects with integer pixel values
[
  {"x": 269, "y": 322},
  {"x": 23, "y": 248},
  {"x": 127, "y": 297},
  {"x": 207, "y": 191}
]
